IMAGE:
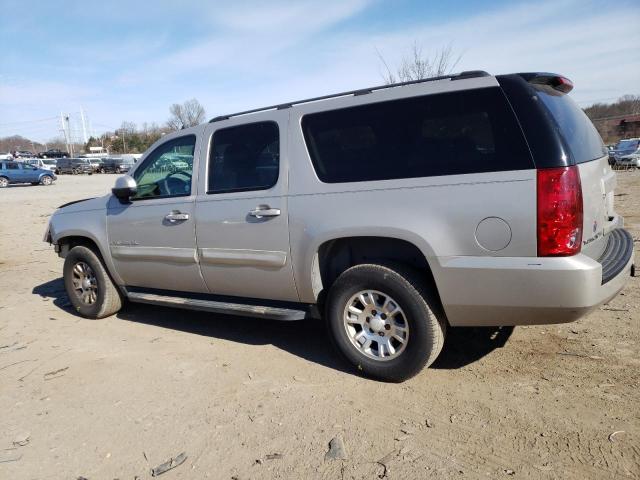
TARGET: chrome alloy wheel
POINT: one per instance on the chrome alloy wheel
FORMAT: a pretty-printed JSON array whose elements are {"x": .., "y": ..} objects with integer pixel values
[
  {"x": 376, "y": 325},
  {"x": 84, "y": 283},
  {"x": 46, "y": 180}
]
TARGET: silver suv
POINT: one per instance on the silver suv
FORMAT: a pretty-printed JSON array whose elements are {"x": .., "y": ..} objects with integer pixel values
[{"x": 391, "y": 212}]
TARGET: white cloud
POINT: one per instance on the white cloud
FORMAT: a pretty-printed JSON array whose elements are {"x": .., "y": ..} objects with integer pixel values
[{"x": 286, "y": 52}]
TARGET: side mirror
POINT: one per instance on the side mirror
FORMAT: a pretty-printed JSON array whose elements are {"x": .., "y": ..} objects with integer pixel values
[{"x": 124, "y": 188}]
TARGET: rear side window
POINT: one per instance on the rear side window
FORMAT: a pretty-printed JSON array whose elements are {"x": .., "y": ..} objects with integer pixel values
[
  {"x": 11, "y": 166},
  {"x": 445, "y": 134},
  {"x": 576, "y": 130},
  {"x": 244, "y": 158}
]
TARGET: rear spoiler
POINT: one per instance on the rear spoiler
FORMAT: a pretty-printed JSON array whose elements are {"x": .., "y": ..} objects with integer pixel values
[{"x": 553, "y": 80}]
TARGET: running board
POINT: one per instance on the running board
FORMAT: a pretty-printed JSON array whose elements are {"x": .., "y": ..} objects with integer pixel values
[{"x": 244, "y": 310}]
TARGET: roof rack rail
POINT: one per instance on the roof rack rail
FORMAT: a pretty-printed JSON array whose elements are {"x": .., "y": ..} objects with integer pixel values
[{"x": 355, "y": 93}]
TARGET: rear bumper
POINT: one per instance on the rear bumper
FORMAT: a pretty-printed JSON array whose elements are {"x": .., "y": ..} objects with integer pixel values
[{"x": 496, "y": 291}]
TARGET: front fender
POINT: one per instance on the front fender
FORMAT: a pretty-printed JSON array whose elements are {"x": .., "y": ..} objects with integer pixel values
[{"x": 90, "y": 223}]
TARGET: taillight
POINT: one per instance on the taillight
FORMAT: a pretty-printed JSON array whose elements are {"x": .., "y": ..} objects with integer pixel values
[{"x": 559, "y": 211}]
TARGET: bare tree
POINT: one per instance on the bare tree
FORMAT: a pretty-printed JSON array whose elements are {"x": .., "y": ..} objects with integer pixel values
[
  {"x": 417, "y": 66},
  {"x": 189, "y": 114}
]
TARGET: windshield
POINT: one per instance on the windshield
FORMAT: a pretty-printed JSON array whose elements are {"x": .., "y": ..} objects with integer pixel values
[
  {"x": 627, "y": 144},
  {"x": 49, "y": 162},
  {"x": 575, "y": 128}
]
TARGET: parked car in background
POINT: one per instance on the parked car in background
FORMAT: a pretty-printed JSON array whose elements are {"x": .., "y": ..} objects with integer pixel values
[
  {"x": 6, "y": 156},
  {"x": 117, "y": 164},
  {"x": 96, "y": 164},
  {"x": 395, "y": 212},
  {"x": 53, "y": 153},
  {"x": 74, "y": 166},
  {"x": 23, "y": 154},
  {"x": 629, "y": 161},
  {"x": 43, "y": 163},
  {"x": 17, "y": 172},
  {"x": 626, "y": 147}
]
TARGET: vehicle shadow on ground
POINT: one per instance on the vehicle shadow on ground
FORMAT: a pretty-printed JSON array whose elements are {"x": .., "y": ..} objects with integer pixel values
[
  {"x": 467, "y": 345},
  {"x": 306, "y": 339}
]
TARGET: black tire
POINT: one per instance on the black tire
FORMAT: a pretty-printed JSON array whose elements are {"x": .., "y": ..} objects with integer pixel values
[
  {"x": 408, "y": 289},
  {"x": 108, "y": 300}
]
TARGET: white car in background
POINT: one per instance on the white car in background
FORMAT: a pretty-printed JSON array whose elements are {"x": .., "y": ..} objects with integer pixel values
[
  {"x": 43, "y": 163},
  {"x": 6, "y": 156}
]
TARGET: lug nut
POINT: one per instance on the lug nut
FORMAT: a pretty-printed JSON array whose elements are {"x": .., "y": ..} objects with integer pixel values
[
  {"x": 373, "y": 312},
  {"x": 381, "y": 334},
  {"x": 387, "y": 327},
  {"x": 383, "y": 316}
]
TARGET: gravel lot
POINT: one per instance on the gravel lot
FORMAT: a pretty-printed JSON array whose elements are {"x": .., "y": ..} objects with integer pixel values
[{"x": 247, "y": 398}]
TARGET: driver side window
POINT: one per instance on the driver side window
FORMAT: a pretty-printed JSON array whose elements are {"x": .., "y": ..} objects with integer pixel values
[{"x": 167, "y": 171}]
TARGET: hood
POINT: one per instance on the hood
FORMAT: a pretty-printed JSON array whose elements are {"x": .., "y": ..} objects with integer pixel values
[{"x": 99, "y": 203}]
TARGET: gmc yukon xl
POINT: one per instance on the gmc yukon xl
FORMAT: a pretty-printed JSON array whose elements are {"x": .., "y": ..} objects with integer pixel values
[{"x": 389, "y": 212}]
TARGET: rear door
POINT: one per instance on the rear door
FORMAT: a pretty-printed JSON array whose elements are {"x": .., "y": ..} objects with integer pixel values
[
  {"x": 598, "y": 180},
  {"x": 242, "y": 229}
]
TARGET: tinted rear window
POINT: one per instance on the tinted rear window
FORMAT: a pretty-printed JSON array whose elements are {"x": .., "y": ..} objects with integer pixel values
[
  {"x": 453, "y": 133},
  {"x": 576, "y": 130}
]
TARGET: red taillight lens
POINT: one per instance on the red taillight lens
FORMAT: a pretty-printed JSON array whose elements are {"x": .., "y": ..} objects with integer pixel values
[
  {"x": 562, "y": 84},
  {"x": 559, "y": 211}
]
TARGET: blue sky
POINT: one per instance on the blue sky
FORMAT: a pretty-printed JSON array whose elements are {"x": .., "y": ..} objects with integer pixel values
[{"x": 126, "y": 60}]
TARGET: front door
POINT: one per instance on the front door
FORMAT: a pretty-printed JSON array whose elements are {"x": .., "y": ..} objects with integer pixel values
[
  {"x": 243, "y": 231},
  {"x": 29, "y": 173},
  {"x": 153, "y": 238}
]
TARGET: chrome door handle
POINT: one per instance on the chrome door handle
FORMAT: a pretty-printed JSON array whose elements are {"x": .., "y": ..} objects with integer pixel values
[
  {"x": 176, "y": 216},
  {"x": 264, "y": 211}
]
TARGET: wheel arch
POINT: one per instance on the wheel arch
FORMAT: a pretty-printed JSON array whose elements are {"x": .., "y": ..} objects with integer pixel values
[
  {"x": 335, "y": 255},
  {"x": 70, "y": 239}
]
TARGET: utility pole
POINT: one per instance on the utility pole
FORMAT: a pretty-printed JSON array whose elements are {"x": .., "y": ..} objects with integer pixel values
[
  {"x": 69, "y": 141},
  {"x": 64, "y": 129},
  {"x": 84, "y": 125}
]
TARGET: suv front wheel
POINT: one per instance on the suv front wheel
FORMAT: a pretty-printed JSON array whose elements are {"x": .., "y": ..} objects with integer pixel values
[
  {"x": 381, "y": 318},
  {"x": 89, "y": 287}
]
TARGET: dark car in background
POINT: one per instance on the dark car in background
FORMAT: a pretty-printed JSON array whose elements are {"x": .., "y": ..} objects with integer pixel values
[
  {"x": 625, "y": 148},
  {"x": 74, "y": 166},
  {"x": 17, "y": 172},
  {"x": 53, "y": 153},
  {"x": 117, "y": 164}
]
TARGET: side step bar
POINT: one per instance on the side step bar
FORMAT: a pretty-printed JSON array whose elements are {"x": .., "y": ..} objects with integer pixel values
[{"x": 274, "y": 313}]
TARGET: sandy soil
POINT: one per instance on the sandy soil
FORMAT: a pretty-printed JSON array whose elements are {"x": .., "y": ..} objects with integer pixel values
[{"x": 114, "y": 398}]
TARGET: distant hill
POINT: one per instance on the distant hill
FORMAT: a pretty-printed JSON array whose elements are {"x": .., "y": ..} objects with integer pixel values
[
  {"x": 18, "y": 142},
  {"x": 616, "y": 120}
]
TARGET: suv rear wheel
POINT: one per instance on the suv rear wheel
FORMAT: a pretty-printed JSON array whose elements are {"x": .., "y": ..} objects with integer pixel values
[
  {"x": 382, "y": 319},
  {"x": 4, "y": 182},
  {"x": 89, "y": 287}
]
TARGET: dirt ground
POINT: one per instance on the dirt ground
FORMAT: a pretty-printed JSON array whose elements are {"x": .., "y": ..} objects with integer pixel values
[{"x": 247, "y": 398}]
